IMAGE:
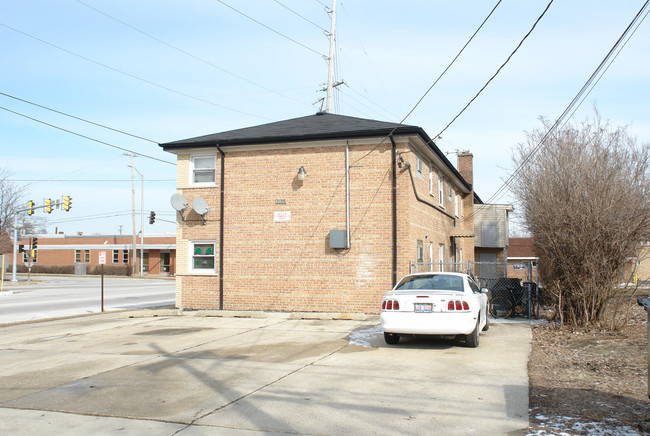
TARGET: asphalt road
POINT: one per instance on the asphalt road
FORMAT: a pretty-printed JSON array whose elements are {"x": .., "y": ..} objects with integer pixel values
[
  {"x": 244, "y": 373},
  {"x": 55, "y": 296}
]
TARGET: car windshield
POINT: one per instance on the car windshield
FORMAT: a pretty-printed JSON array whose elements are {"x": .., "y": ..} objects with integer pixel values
[{"x": 438, "y": 281}]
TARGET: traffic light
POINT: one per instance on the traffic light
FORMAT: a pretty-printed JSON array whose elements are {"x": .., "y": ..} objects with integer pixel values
[
  {"x": 67, "y": 201},
  {"x": 152, "y": 217},
  {"x": 33, "y": 254},
  {"x": 34, "y": 243},
  {"x": 48, "y": 205},
  {"x": 30, "y": 205}
]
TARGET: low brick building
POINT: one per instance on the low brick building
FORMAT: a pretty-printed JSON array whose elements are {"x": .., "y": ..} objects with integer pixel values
[
  {"x": 79, "y": 253},
  {"x": 319, "y": 213}
]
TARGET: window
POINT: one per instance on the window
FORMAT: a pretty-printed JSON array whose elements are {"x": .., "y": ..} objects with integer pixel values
[
  {"x": 461, "y": 207},
  {"x": 441, "y": 184},
  {"x": 164, "y": 262},
  {"x": 460, "y": 255},
  {"x": 456, "y": 202},
  {"x": 87, "y": 256},
  {"x": 145, "y": 262},
  {"x": 431, "y": 178},
  {"x": 116, "y": 256},
  {"x": 77, "y": 256},
  {"x": 203, "y": 169},
  {"x": 420, "y": 251},
  {"x": 441, "y": 255},
  {"x": 449, "y": 197},
  {"x": 490, "y": 234},
  {"x": 418, "y": 164},
  {"x": 125, "y": 256},
  {"x": 202, "y": 257}
]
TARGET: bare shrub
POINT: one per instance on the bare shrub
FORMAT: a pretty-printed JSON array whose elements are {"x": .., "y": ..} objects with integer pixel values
[{"x": 584, "y": 198}]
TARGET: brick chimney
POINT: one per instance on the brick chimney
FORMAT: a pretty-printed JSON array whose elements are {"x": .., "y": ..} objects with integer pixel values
[{"x": 465, "y": 166}]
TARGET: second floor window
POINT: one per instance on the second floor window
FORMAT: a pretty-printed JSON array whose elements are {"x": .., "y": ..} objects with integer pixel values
[{"x": 204, "y": 169}]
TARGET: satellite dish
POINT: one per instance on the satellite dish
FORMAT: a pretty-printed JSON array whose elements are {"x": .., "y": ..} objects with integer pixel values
[
  {"x": 180, "y": 204},
  {"x": 200, "y": 206}
]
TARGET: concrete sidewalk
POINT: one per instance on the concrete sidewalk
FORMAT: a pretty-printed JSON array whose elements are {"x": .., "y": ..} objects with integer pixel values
[{"x": 139, "y": 374}]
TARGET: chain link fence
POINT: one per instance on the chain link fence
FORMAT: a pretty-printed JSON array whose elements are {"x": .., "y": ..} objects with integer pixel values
[{"x": 516, "y": 282}]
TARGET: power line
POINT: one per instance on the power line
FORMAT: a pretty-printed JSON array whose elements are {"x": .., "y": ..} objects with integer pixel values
[
  {"x": 186, "y": 53},
  {"x": 272, "y": 30},
  {"x": 304, "y": 18},
  {"x": 498, "y": 70},
  {"x": 77, "y": 118},
  {"x": 577, "y": 100},
  {"x": 434, "y": 83},
  {"x": 86, "y": 180},
  {"x": 454, "y": 60},
  {"x": 131, "y": 75},
  {"x": 87, "y": 137}
]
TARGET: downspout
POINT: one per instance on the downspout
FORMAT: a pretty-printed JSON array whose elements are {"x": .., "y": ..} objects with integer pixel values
[
  {"x": 221, "y": 213},
  {"x": 394, "y": 201},
  {"x": 347, "y": 195}
]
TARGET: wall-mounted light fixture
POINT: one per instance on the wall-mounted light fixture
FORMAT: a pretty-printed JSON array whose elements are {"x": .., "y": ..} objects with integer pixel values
[{"x": 302, "y": 174}]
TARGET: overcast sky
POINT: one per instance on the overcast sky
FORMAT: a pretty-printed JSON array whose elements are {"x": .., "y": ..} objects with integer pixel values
[{"x": 170, "y": 70}]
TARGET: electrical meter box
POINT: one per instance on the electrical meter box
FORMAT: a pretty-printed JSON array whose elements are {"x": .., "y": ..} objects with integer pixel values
[{"x": 337, "y": 239}]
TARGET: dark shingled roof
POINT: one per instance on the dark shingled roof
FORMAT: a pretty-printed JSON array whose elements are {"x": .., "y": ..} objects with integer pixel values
[
  {"x": 318, "y": 127},
  {"x": 314, "y": 127}
]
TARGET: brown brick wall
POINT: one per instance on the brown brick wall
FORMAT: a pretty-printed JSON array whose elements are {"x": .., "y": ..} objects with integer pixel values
[{"x": 288, "y": 266}]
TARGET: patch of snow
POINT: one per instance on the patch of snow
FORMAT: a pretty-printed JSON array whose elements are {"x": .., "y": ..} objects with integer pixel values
[
  {"x": 365, "y": 335},
  {"x": 567, "y": 426}
]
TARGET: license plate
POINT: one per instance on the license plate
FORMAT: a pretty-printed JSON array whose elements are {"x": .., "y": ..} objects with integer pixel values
[{"x": 423, "y": 307}]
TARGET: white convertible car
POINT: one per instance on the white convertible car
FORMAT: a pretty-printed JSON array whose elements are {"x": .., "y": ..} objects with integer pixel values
[{"x": 435, "y": 304}]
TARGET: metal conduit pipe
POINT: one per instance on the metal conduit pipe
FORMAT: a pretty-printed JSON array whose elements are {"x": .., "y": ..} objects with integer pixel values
[{"x": 221, "y": 213}]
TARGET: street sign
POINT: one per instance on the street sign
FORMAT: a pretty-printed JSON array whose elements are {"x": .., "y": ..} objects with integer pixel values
[{"x": 102, "y": 258}]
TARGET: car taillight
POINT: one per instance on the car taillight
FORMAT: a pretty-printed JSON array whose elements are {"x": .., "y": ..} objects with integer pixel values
[
  {"x": 390, "y": 305},
  {"x": 457, "y": 305}
]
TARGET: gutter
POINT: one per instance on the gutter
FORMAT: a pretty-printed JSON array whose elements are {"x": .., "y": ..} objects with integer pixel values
[{"x": 221, "y": 213}]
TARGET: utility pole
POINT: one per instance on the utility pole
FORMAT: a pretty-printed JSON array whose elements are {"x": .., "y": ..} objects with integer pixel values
[
  {"x": 330, "y": 71},
  {"x": 133, "y": 213}
]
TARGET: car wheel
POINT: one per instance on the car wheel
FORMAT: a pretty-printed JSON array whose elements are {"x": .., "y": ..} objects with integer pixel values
[
  {"x": 471, "y": 340},
  {"x": 391, "y": 338},
  {"x": 486, "y": 327}
]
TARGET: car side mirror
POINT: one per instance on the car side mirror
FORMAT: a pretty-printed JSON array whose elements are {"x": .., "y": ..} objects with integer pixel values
[{"x": 485, "y": 291}]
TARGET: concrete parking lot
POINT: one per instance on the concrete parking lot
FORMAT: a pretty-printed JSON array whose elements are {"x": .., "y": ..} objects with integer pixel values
[{"x": 249, "y": 372}]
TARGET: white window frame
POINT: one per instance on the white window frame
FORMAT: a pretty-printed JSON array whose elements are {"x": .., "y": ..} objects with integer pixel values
[
  {"x": 456, "y": 208},
  {"x": 441, "y": 256},
  {"x": 191, "y": 255},
  {"x": 116, "y": 256},
  {"x": 462, "y": 213},
  {"x": 420, "y": 250},
  {"x": 125, "y": 256},
  {"x": 441, "y": 189},
  {"x": 77, "y": 256},
  {"x": 449, "y": 193},
  {"x": 193, "y": 169},
  {"x": 431, "y": 179},
  {"x": 418, "y": 164}
]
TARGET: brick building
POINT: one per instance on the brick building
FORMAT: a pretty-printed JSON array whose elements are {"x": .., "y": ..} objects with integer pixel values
[
  {"x": 287, "y": 228},
  {"x": 63, "y": 253}
]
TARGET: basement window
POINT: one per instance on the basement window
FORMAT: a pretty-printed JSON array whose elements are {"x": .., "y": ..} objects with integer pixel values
[{"x": 202, "y": 256}]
